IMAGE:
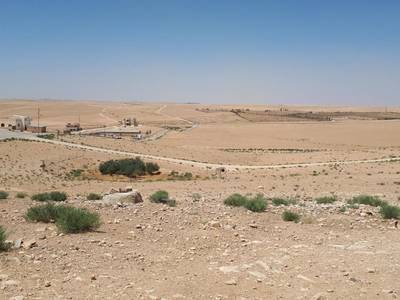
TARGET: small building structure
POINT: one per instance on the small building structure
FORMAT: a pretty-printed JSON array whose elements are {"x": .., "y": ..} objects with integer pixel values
[
  {"x": 18, "y": 122},
  {"x": 72, "y": 127},
  {"x": 36, "y": 129},
  {"x": 129, "y": 122}
]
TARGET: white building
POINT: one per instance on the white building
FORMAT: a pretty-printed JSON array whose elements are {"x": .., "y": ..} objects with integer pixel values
[{"x": 20, "y": 122}]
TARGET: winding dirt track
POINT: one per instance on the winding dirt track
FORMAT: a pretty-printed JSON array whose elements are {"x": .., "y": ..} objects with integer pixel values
[{"x": 206, "y": 165}]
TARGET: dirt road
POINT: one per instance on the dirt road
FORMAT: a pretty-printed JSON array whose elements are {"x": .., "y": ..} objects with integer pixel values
[{"x": 7, "y": 134}]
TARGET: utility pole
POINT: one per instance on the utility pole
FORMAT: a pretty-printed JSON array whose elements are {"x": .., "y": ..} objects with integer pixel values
[{"x": 38, "y": 118}]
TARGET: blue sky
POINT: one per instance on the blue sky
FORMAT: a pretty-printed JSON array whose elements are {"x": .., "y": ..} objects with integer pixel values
[{"x": 283, "y": 51}]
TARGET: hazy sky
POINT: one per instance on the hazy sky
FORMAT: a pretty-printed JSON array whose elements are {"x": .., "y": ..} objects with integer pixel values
[{"x": 223, "y": 51}]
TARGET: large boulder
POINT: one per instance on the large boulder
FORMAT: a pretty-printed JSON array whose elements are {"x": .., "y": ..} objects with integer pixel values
[{"x": 123, "y": 198}]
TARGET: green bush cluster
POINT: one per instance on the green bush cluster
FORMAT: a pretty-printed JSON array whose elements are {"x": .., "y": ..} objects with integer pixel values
[
  {"x": 368, "y": 200},
  {"x": 326, "y": 200},
  {"x": 174, "y": 175},
  {"x": 52, "y": 196},
  {"x": 290, "y": 216},
  {"x": 3, "y": 195},
  {"x": 282, "y": 201},
  {"x": 68, "y": 219},
  {"x": 3, "y": 236},
  {"x": 130, "y": 167},
  {"x": 93, "y": 196},
  {"x": 162, "y": 196},
  {"x": 255, "y": 204},
  {"x": 390, "y": 212}
]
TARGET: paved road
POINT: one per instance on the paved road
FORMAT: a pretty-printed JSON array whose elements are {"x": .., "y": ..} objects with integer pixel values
[{"x": 7, "y": 134}]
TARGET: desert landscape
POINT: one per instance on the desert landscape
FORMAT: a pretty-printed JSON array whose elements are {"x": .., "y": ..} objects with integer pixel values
[{"x": 264, "y": 201}]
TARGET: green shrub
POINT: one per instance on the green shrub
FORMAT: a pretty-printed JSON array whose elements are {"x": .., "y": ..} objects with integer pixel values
[
  {"x": 68, "y": 219},
  {"x": 326, "y": 200},
  {"x": 76, "y": 220},
  {"x": 290, "y": 216},
  {"x": 93, "y": 196},
  {"x": 236, "y": 200},
  {"x": 152, "y": 168},
  {"x": 47, "y": 136},
  {"x": 390, "y": 212},
  {"x": 45, "y": 213},
  {"x": 160, "y": 197},
  {"x": 282, "y": 201},
  {"x": 368, "y": 200},
  {"x": 52, "y": 196},
  {"x": 21, "y": 195},
  {"x": 3, "y": 236},
  {"x": 256, "y": 204},
  {"x": 130, "y": 167},
  {"x": 3, "y": 195}
]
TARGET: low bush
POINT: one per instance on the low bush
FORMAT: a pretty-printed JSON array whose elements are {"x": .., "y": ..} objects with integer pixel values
[
  {"x": 76, "y": 220},
  {"x": 236, "y": 200},
  {"x": 130, "y": 167},
  {"x": 45, "y": 213},
  {"x": 390, "y": 212},
  {"x": 256, "y": 204},
  {"x": 3, "y": 236},
  {"x": 159, "y": 197},
  {"x": 368, "y": 200},
  {"x": 152, "y": 168},
  {"x": 68, "y": 219},
  {"x": 290, "y": 216},
  {"x": 21, "y": 195},
  {"x": 326, "y": 200},
  {"x": 93, "y": 196},
  {"x": 47, "y": 136},
  {"x": 282, "y": 201},
  {"x": 162, "y": 196},
  {"x": 52, "y": 196},
  {"x": 3, "y": 195}
]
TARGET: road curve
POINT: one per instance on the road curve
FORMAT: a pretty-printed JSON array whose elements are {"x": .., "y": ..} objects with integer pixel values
[{"x": 205, "y": 165}]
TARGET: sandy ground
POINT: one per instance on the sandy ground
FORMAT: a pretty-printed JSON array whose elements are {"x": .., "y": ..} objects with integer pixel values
[{"x": 204, "y": 249}]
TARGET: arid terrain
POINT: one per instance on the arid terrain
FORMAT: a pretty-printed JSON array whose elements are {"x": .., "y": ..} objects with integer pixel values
[{"x": 201, "y": 248}]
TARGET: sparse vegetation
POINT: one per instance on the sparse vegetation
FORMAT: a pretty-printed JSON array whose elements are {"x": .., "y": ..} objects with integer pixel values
[
  {"x": 152, "y": 168},
  {"x": 3, "y": 195},
  {"x": 282, "y": 201},
  {"x": 235, "y": 200},
  {"x": 93, "y": 196},
  {"x": 326, "y": 200},
  {"x": 390, "y": 212},
  {"x": 76, "y": 220},
  {"x": 68, "y": 219},
  {"x": 47, "y": 136},
  {"x": 76, "y": 173},
  {"x": 45, "y": 213},
  {"x": 180, "y": 176},
  {"x": 52, "y": 196},
  {"x": 162, "y": 196},
  {"x": 3, "y": 236},
  {"x": 368, "y": 200},
  {"x": 290, "y": 216},
  {"x": 21, "y": 195},
  {"x": 256, "y": 204},
  {"x": 128, "y": 167}
]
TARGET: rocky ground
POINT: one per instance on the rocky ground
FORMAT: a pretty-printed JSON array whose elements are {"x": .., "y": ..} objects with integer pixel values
[{"x": 203, "y": 249}]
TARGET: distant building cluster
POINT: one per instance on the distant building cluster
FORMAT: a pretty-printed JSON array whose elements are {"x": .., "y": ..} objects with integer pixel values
[{"x": 22, "y": 123}]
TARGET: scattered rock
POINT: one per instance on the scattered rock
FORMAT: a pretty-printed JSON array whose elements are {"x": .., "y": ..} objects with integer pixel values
[
  {"x": 231, "y": 282},
  {"x": 124, "y": 198}
]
